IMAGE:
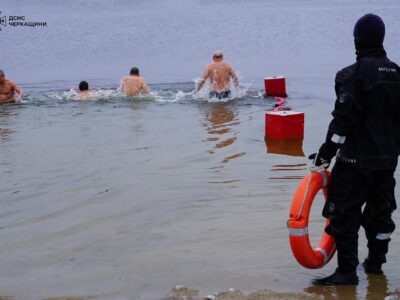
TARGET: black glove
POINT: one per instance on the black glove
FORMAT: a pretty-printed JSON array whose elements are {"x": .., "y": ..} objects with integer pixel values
[
  {"x": 319, "y": 161},
  {"x": 325, "y": 154}
]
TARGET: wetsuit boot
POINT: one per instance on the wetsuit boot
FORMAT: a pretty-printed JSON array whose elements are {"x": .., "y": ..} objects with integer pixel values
[
  {"x": 371, "y": 267},
  {"x": 338, "y": 278},
  {"x": 347, "y": 256},
  {"x": 376, "y": 256}
]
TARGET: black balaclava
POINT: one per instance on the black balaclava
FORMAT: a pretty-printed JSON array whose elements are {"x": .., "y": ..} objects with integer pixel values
[{"x": 369, "y": 32}]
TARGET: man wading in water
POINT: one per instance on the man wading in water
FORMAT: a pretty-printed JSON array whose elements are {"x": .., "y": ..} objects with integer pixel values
[
  {"x": 366, "y": 129},
  {"x": 219, "y": 73},
  {"x": 84, "y": 93},
  {"x": 134, "y": 84},
  {"x": 7, "y": 90}
]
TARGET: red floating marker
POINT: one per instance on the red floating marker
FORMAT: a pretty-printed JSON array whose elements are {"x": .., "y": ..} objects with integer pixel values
[
  {"x": 275, "y": 86},
  {"x": 284, "y": 124}
]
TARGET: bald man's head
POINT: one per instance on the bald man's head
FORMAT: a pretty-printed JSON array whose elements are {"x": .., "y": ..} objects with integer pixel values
[{"x": 218, "y": 56}]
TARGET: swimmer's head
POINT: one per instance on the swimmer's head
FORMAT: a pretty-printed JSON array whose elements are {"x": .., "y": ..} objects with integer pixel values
[
  {"x": 218, "y": 56},
  {"x": 2, "y": 76},
  {"x": 83, "y": 86},
  {"x": 135, "y": 71}
]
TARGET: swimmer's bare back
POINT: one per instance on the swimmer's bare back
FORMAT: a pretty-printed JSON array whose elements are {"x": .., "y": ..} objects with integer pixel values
[
  {"x": 7, "y": 89},
  {"x": 134, "y": 85},
  {"x": 219, "y": 74},
  {"x": 84, "y": 95}
]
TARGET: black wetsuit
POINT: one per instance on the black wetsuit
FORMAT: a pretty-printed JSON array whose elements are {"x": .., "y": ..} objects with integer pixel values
[
  {"x": 220, "y": 95},
  {"x": 366, "y": 119}
]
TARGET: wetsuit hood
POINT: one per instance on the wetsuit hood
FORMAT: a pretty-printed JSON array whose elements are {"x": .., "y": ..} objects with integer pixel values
[{"x": 369, "y": 32}]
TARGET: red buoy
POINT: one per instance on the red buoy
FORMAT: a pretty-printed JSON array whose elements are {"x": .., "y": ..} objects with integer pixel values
[
  {"x": 284, "y": 124},
  {"x": 275, "y": 86}
]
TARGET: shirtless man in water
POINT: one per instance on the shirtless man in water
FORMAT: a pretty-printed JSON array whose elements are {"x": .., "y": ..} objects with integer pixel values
[
  {"x": 84, "y": 93},
  {"x": 219, "y": 73},
  {"x": 7, "y": 90},
  {"x": 134, "y": 85}
]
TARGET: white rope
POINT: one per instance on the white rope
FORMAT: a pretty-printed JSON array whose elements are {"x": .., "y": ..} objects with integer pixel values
[{"x": 313, "y": 169}]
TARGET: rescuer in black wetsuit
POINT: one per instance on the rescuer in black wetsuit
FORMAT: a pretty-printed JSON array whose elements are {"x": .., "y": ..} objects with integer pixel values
[{"x": 366, "y": 131}]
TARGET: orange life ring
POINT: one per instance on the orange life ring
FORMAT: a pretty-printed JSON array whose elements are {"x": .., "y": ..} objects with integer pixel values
[{"x": 298, "y": 223}]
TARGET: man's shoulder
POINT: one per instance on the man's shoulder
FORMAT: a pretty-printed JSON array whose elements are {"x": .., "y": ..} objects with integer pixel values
[
  {"x": 9, "y": 82},
  {"x": 345, "y": 73},
  {"x": 394, "y": 64},
  {"x": 210, "y": 65}
]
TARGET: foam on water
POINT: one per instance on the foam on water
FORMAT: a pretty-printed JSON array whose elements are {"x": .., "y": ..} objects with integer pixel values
[
  {"x": 239, "y": 92},
  {"x": 170, "y": 93}
]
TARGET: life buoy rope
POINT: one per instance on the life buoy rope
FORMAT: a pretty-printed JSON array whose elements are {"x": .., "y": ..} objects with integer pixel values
[{"x": 298, "y": 222}]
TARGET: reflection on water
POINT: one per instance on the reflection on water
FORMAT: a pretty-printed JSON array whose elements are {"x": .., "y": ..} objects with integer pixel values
[
  {"x": 284, "y": 169},
  {"x": 6, "y": 113},
  {"x": 220, "y": 120},
  {"x": 5, "y": 134},
  {"x": 287, "y": 177},
  {"x": 227, "y": 159},
  {"x": 225, "y": 181},
  {"x": 136, "y": 107},
  {"x": 5, "y": 118},
  {"x": 225, "y": 143},
  {"x": 377, "y": 286},
  {"x": 291, "y": 147}
]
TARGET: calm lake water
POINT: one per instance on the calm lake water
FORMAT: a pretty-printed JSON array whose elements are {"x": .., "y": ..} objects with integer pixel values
[{"x": 170, "y": 196}]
